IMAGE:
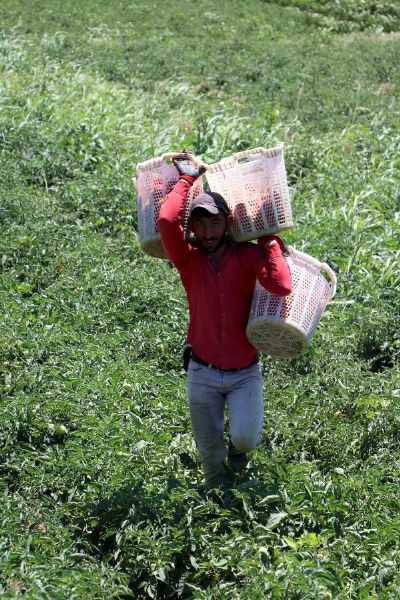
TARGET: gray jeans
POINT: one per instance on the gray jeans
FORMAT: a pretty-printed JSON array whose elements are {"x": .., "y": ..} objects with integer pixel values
[{"x": 208, "y": 392}]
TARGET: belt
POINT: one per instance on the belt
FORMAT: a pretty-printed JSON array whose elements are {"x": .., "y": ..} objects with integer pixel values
[{"x": 211, "y": 366}]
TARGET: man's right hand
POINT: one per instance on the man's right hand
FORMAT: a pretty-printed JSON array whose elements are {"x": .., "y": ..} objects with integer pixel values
[{"x": 188, "y": 164}]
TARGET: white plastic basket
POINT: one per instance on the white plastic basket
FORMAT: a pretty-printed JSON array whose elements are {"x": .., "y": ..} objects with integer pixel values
[
  {"x": 283, "y": 326},
  {"x": 254, "y": 185},
  {"x": 155, "y": 179}
]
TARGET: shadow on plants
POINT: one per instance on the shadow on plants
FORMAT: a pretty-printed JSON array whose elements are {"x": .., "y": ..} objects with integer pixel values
[
  {"x": 380, "y": 346},
  {"x": 383, "y": 432},
  {"x": 10, "y": 476},
  {"x": 159, "y": 536},
  {"x": 138, "y": 530},
  {"x": 104, "y": 518},
  {"x": 304, "y": 364}
]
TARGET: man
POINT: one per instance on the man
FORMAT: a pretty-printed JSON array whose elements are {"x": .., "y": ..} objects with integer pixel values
[{"x": 219, "y": 278}]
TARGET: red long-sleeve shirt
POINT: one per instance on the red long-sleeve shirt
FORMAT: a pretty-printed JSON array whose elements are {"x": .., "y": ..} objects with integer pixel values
[{"x": 219, "y": 299}]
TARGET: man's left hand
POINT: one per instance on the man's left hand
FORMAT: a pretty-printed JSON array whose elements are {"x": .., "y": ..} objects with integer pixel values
[{"x": 188, "y": 164}]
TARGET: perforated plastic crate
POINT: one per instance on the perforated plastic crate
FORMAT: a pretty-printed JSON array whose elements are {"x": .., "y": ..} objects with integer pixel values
[
  {"x": 254, "y": 185},
  {"x": 283, "y": 326},
  {"x": 155, "y": 179}
]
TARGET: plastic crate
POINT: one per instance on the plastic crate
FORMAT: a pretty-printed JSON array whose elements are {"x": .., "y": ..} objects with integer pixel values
[
  {"x": 283, "y": 326},
  {"x": 155, "y": 179},
  {"x": 254, "y": 185}
]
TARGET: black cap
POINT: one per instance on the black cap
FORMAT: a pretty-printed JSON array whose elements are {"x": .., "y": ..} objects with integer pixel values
[{"x": 212, "y": 202}]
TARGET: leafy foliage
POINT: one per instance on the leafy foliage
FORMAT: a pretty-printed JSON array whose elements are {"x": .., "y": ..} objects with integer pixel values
[
  {"x": 100, "y": 484},
  {"x": 345, "y": 16}
]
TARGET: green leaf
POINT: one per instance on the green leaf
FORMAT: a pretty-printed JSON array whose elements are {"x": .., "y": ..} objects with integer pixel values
[{"x": 275, "y": 519}]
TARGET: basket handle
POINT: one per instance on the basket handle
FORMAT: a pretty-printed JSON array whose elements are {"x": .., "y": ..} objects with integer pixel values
[
  {"x": 322, "y": 266},
  {"x": 239, "y": 156},
  {"x": 248, "y": 153},
  {"x": 254, "y": 151},
  {"x": 303, "y": 256},
  {"x": 331, "y": 276}
]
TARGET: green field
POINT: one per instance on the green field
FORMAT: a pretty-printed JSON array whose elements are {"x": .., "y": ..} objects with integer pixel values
[{"x": 100, "y": 492}]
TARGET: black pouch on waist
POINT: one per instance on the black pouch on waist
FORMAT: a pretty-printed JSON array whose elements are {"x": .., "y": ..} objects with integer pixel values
[{"x": 186, "y": 355}]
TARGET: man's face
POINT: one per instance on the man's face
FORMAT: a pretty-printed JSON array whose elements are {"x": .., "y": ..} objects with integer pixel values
[{"x": 209, "y": 230}]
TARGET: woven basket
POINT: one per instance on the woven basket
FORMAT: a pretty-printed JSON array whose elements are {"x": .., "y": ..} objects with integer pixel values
[
  {"x": 283, "y": 326},
  {"x": 254, "y": 185},
  {"x": 155, "y": 179}
]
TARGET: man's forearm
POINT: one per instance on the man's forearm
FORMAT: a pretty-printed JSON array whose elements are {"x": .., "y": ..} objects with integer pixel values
[
  {"x": 171, "y": 218},
  {"x": 274, "y": 273},
  {"x": 172, "y": 209}
]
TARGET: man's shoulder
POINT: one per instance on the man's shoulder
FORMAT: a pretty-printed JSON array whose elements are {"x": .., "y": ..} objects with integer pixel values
[
  {"x": 245, "y": 247},
  {"x": 245, "y": 253}
]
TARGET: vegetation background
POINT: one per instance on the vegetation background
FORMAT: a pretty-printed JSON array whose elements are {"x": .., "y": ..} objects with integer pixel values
[{"x": 99, "y": 483}]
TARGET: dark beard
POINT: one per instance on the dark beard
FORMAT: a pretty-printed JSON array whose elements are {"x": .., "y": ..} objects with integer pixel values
[
  {"x": 209, "y": 252},
  {"x": 193, "y": 241},
  {"x": 206, "y": 249}
]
